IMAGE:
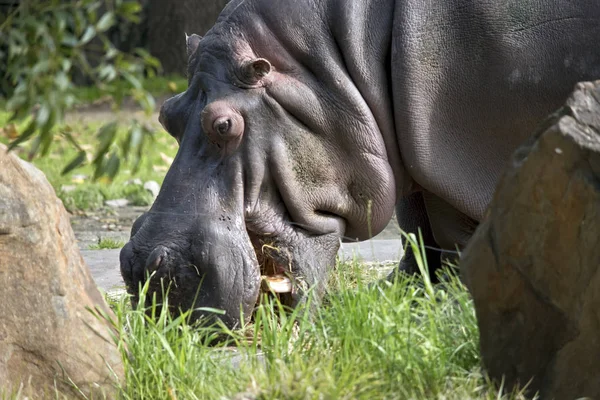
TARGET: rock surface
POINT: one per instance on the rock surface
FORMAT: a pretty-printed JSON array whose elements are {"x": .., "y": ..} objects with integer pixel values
[
  {"x": 533, "y": 266},
  {"x": 47, "y": 336},
  {"x": 153, "y": 187}
]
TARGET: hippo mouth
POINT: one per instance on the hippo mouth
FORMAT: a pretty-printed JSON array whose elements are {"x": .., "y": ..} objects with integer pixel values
[
  {"x": 276, "y": 270},
  {"x": 293, "y": 258}
]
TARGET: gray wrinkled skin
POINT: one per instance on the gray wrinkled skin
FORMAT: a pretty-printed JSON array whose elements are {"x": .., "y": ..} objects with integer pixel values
[{"x": 306, "y": 122}]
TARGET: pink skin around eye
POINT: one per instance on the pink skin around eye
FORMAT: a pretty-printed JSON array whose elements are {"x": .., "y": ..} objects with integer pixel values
[{"x": 223, "y": 125}]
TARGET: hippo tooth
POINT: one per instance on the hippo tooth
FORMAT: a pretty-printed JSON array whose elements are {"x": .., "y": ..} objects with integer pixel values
[{"x": 277, "y": 283}]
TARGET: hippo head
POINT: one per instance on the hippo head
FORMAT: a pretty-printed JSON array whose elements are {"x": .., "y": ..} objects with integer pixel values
[{"x": 280, "y": 158}]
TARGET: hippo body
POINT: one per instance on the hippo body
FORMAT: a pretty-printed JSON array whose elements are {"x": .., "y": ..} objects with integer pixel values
[{"x": 307, "y": 122}]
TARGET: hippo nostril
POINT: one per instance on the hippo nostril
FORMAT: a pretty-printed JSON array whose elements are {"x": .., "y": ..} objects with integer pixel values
[
  {"x": 222, "y": 126},
  {"x": 156, "y": 259}
]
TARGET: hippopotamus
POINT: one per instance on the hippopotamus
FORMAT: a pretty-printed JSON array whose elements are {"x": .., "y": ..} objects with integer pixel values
[{"x": 308, "y": 122}]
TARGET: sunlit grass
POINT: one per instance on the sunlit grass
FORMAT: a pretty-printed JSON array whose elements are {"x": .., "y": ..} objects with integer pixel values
[
  {"x": 370, "y": 340},
  {"x": 107, "y": 243}
]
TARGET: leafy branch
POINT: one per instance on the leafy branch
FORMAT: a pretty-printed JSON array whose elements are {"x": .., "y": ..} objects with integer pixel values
[{"x": 43, "y": 45}]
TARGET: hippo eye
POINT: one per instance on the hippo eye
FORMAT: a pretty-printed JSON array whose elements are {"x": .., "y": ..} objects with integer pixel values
[{"x": 222, "y": 126}]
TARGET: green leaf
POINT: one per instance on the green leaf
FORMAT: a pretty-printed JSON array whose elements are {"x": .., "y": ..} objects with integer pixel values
[
  {"x": 67, "y": 134},
  {"x": 47, "y": 138},
  {"x": 111, "y": 53},
  {"x": 75, "y": 162},
  {"x": 107, "y": 73},
  {"x": 62, "y": 81},
  {"x": 133, "y": 80},
  {"x": 79, "y": 20},
  {"x": 106, "y": 135},
  {"x": 112, "y": 165},
  {"x": 17, "y": 105},
  {"x": 69, "y": 100},
  {"x": 99, "y": 169},
  {"x": 126, "y": 145},
  {"x": 137, "y": 137},
  {"x": 69, "y": 40},
  {"x": 105, "y": 22},
  {"x": 129, "y": 8},
  {"x": 88, "y": 35},
  {"x": 145, "y": 132},
  {"x": 145, "y": 100},
  {"x": 18, "y": 37},
  {"x": 92, "y": 7},
  {"x": 30, "y": 130},
  {"x": 62, "y": 21},
  {"x": 42, "y": 115},
  {"x": 66, "y": 64},
  {"x": 41, "y": 67},
  {"x": 148, "y": 58},
  {"x": 34, "y": 148}
]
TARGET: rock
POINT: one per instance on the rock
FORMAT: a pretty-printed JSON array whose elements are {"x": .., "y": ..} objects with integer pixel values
[
  {"x": 68, "y": 188},
  {"x": 153, "y": 187},
  {"x": 135, "y": 181},
  {"x": 46, "y": 333},
  {"x": 533, "y": 265},
  {"x": 116, "y": 203}
]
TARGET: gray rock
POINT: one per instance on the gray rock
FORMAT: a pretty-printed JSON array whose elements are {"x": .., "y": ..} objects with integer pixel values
[
  {"x": 533, "y": 265},
  {"x": 68, "y": 188},
  {"x": 47, "y": 335},
  {"x": 116, "y": 203},
  {"x": 136, "y": 181},
  {"x": 153, "y": 187}
]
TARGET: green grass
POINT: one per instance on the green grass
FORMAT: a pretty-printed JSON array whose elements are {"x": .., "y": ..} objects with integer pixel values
[
  {"x": 406, "y": 340},
  {"x": 107, "y": 243}
]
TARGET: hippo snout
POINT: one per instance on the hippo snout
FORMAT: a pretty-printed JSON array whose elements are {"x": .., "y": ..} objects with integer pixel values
[
  {"x": 198, "y": 273},
  {"x": 162, "y": 265}
]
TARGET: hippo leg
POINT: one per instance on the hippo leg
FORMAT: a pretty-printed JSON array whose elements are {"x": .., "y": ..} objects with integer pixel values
[
  {"x": 412, "y": 215},
  {"x": 451, "y": 228}
]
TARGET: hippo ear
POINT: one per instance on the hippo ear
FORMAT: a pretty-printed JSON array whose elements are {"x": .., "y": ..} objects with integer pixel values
[
  {"x": 192, "y": 43},
  {"x": 256, "y": 69}
]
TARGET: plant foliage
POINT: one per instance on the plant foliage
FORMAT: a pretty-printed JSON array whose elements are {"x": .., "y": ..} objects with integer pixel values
[{"x": 44, "y": 45}]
